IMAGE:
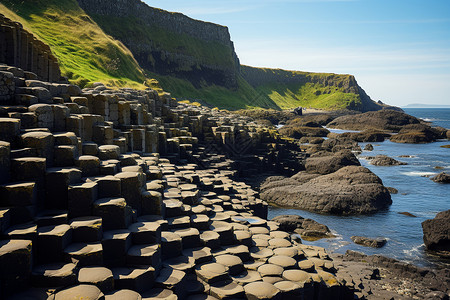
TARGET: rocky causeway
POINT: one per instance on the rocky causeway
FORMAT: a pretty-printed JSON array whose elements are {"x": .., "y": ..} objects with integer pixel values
[{"x": 128, "y": 194}]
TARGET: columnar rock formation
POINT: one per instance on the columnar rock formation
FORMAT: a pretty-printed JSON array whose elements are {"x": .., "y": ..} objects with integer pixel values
[
  {"x": 20, "y": 48},
  {"x": 126, "y": 193}
]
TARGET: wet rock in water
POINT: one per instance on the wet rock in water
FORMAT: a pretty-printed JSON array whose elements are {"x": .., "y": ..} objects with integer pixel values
[
  {"x": 407, "y": 214},
  {"x": 296, "y": 131},
  {"x": 416, "y": 134},
  {"x": 392, "y": 190},
  {"x": 436, "y": 233},
  {"x": 441, "y": 178},
  {"x": 368, "y": 147},
  {"x": 307, "y": 228},
  {"x": 383, "y": 160},
  {"x": 379, "y": 120},
  {"x": 351, "y": 190},
  {"x": 438, "y": 168},
  {"x": 445, "y": 146},
  {"x": 369, "y": 242}
]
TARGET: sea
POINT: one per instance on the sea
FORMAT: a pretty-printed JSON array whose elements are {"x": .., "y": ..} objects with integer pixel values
[{"x": 417, "y": 195}]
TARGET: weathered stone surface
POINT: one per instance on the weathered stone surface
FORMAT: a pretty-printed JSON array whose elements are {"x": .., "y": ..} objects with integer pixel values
[
  {"x": 139, "y": 279},
  {"x": 78, "y": 292},
  {"x": 54, "y": 275},
  {"x": 98, "y": 276},
  {"x": 383, "y": 160},
  {"x": 123, "y": 294},
  {"x": 261, "y": 290},
  {"x": 326, "y": 164},
  {"x": 85, "y": 254},
  {"x": 350, "y": 190},
  {"x": 369, "y": 242}
]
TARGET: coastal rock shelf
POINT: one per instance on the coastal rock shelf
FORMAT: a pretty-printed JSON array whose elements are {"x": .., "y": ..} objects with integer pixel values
[{"x": 117, "y": 194}]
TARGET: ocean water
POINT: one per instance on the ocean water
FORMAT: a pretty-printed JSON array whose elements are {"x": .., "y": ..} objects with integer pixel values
[{"x": 417, "y": 195}]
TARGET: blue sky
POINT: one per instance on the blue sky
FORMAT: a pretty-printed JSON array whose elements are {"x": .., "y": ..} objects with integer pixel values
[{"x": 399, "y": 50}]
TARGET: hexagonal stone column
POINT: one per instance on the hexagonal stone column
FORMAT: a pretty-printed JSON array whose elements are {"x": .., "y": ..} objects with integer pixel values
[
  {"x": 137, "y": 279},
  {"x": 131, "y": 184},
  {"x": 9, "y": 129},
  {"x": 5, "y": 162},
  {"x": 115, "y": 245},
  {"x": 261, "y": 290},
  {"x": 86, "y": 229},
  {"x": 99, "y": 276},
  {"x": 115, "y": 213},
  {"x": 80, "y": 199},
  {"x": 42, "y": 141},
  {"x": 51, "y": 242},
  {"x": 15, "y": 259},
  {"x": 54, "y": 275}
]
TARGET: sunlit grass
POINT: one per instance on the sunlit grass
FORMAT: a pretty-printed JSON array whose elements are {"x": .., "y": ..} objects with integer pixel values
[{"x": 85, "y": 53}]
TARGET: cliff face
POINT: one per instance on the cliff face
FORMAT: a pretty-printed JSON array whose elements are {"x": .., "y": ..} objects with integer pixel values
[{"x": 169, "y": 43}]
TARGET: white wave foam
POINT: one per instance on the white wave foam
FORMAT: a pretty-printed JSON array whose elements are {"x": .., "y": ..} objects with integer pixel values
[
  {"x": 414, "y": 251},
  {"x": 419, "y": 174},
  {"x": 430, "y": 119}
]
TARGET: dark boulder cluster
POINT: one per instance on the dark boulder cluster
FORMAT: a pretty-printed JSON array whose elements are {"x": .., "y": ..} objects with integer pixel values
[
  {"x": 332, "y": 184},
  {"x": 395, "y": 125}
]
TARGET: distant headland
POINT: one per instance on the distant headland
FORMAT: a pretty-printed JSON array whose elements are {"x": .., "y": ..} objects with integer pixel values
[{"x": 421, "y": 105}]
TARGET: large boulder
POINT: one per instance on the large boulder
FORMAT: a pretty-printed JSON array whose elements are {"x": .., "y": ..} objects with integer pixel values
[
  {"x": 436, "y": 233},
  {"x": 384, "y": 160},
  {"x": 379, "y": 120},
  {"x": 329, "y": 162},
  {"x": 351, "y": 190},
  {"x": 369, "y": 242}
]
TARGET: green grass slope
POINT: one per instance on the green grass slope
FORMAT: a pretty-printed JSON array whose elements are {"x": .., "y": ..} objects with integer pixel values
[
  {"x": 308, "y": 95},
  {"x": 289, "y": 89},
  {"x": 85, "y": 53},
  {"x": 244, "y": 97}
]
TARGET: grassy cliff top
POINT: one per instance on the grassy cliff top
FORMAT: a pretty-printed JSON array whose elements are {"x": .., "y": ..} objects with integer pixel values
[
  {"x": 289, "y": 89},
  {"x": 85, "y": 53}
]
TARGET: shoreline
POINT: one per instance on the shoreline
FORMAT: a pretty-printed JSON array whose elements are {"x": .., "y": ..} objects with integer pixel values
[{"x": 144, "y": 193}]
